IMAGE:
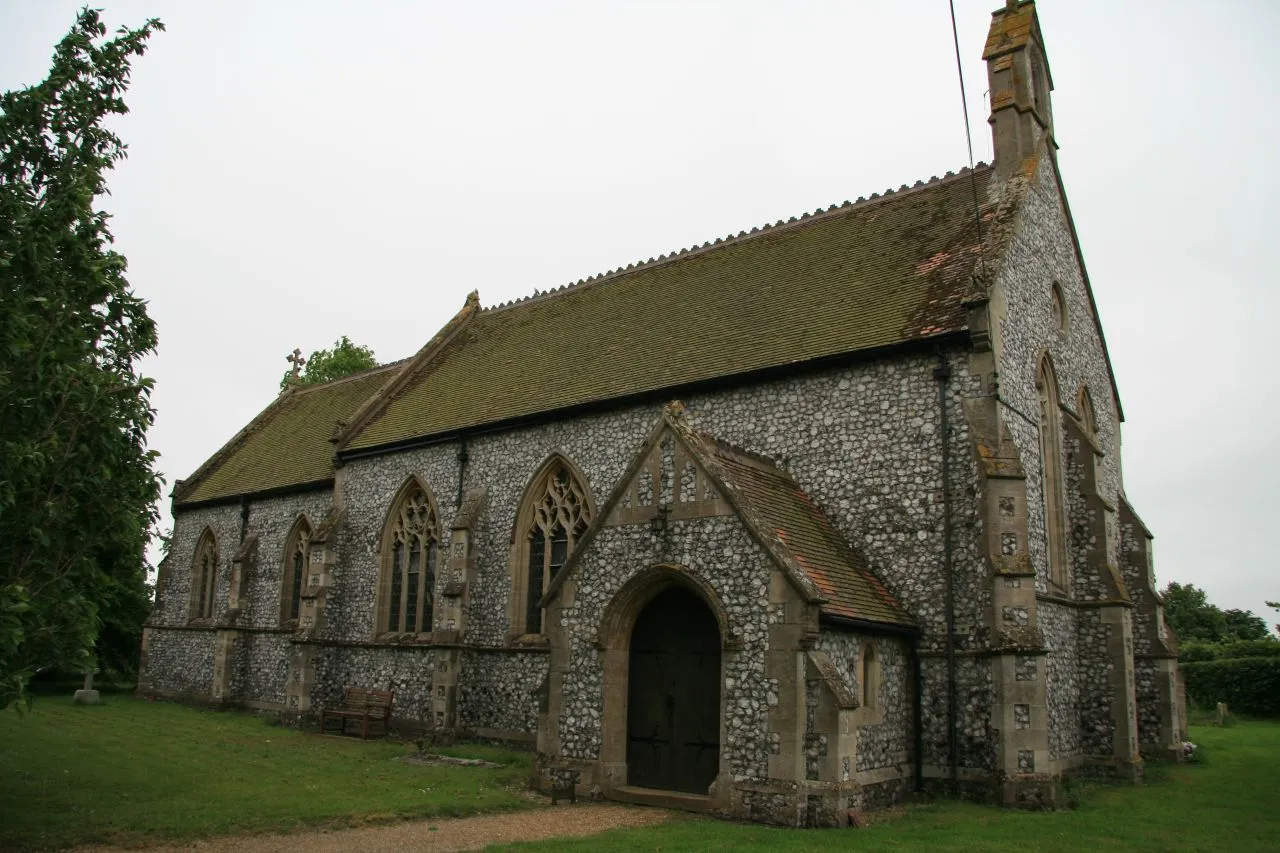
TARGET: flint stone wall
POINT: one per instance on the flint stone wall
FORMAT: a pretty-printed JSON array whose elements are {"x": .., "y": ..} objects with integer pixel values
[
  {"x": 1150, "y": 713},
  {"x": 1094, "y": 674},
  {"x": 721, "y": 551},
  {"x": 261, "y": 667},
  {"x": 1062, "y": 681},
  {"x": 404, "y": 670},
  {"x": 173, "y": 599},
  {"x": 975, "y": 697},
  {"x": 499, "y": 690},
  {"x": 886, "y": 743},
  {"x": 862, "y": 440},
  {"x": 1040, "y": 252},
  {"x": 180, "y": 661},
  {"x": 272, "y": 520}
]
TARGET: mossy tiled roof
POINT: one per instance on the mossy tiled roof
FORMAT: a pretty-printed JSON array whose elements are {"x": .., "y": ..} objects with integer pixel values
[
  {"x": 862, "y": 276},
  {"x": 288, "y": 444},
  {"x": 783, "y": 509}
]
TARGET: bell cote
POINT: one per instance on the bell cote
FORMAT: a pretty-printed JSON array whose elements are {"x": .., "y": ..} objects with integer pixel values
[{"x": 1019, "y": 80}]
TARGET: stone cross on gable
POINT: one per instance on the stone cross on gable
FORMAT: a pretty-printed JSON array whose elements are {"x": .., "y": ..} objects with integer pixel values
[{"x": 295, "y": 358}]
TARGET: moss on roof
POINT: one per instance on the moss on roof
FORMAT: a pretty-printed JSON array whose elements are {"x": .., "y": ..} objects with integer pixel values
[
  {"x": 288, "y": 444},
  {"x": 872, "y": 274}
]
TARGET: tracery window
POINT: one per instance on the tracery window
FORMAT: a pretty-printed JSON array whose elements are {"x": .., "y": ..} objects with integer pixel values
[
  {"x": 555, "y": 515},
  {"x": 204, "y": 576},
  {"x": 296, "y": 557},
  {"x": 410, "y": 553},
  {"x": 1052, "y": 480}
]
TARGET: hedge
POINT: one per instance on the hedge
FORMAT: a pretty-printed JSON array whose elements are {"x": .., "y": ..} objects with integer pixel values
[
  {"x": 1248, "y": 685},
  {"x": 1194, "y": 651}
]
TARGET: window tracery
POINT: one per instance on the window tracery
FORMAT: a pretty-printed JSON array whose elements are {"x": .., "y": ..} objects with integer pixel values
[
  {"x": 558, "y": 511},
  {"x": 204, "y": 576},
  {"x": 410, "y": 557},
  {"x": 297, "y": 556}
]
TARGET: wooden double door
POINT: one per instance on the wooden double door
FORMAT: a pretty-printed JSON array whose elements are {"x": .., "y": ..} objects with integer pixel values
[{"x": 673, "y": 702}]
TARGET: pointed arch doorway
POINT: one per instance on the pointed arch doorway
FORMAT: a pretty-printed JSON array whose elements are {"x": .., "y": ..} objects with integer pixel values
[{"x": 673, "y": 694}]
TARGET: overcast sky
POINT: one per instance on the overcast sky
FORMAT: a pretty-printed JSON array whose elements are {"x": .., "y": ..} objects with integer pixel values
[{"x": 303, "y": 170}]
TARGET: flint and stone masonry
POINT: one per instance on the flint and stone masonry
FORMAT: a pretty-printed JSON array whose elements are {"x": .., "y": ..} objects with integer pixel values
[{"x": 901, "y": 549}]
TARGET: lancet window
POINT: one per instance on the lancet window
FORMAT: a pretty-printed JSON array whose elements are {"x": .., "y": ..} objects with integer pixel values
[
  {"x": 870, "y": 676},
  {"x": 410, "y": 553},
  {"x": 1052, "y": 480},
  {"x": 296, "y": 557},
  {"x": 204, "y": 576},
  {"x": 555, "y": 515}
]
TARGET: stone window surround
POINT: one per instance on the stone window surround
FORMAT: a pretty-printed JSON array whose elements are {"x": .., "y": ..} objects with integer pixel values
[
  {"x": 411, "y": 485},
  {"x": 518, "y": 554},
  {"x": 1061, "y": 317},
  {"x": 1053, "y": 481},
  {"x": 206, "y": 544},
  {"x": 299, "y": 539}
]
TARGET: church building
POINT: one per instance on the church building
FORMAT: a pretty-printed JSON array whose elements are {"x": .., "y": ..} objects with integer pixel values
[{"x": 800, "y": 520}]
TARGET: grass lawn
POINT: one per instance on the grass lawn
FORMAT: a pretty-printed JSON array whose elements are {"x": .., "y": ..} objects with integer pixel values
[
  {"x": 1229, "y": 802},
  {"x": 128, "y": 771}
]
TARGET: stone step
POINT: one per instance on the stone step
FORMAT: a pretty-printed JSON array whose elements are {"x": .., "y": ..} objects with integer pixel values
[{"x": 662, "y": 799}]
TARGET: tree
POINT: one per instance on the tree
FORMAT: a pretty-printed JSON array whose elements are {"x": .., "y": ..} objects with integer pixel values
[
  {"x": 1188, "y": 612},
  {"x": 1193, "y": 619},
  {"x": 325, "y": 365},
  {"x": 1244, "y": 625},
  {"x": 1275, "y": 605},
  {"x": 77, "y": 482}
]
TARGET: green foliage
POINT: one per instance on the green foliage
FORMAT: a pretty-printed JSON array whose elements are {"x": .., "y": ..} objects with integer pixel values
[
  {"x": 130, "y": 772},
  {"x": 1247, "y": 685},
  {"x": 1193, "y": 619},
  {"x": 1189, "y": 652},
  {"x": 325, "y": 365},
  {"x": 78, "y": 485}
]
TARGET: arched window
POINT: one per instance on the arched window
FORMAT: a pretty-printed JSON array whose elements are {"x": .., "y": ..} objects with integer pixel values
[
  {"x": 869, "y": 676},
  {"x": 1052, "y": 481},
  {"x": 1058, "y": 308},
  {"x": 410, "y": 549},
  {"x": 556, "y": 512},
  {"x": 1088, "y": 415},
  {"x": 204, "y": 576},
  {"x": 297, "y": 554}
]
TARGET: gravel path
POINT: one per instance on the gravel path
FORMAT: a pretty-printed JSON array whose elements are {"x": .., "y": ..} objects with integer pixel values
[{"x": 428, "y": 836}]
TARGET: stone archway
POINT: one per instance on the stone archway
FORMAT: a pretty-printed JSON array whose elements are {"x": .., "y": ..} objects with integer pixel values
[{"x": 673, "y": 702}]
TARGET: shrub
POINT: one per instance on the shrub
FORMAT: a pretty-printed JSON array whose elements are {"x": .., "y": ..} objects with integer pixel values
[
  {"x": 1248, "y": 685},
  {"x": 1190, "y": 652}
]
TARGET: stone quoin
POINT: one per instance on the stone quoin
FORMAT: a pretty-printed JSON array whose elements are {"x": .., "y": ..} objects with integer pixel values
[{"x": 792, "y": 523}]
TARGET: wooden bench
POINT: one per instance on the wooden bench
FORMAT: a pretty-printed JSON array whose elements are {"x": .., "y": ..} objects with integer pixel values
[{"x": 363, "y": 704}]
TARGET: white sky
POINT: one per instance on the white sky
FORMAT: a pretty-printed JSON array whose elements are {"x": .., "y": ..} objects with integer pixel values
[{"x": 303, "y": 170}]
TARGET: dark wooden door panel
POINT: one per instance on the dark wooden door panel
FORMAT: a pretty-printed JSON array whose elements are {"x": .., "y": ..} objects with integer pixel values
[{"x": 673, "y": 710}]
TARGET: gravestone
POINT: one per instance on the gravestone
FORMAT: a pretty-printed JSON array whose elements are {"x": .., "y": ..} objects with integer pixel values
[{"x": 87, "y": 696}]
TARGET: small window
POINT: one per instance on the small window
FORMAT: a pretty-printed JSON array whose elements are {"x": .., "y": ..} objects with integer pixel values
[
  {"x": 297, "y": 556},
  {"x": 1059, "y": 309},
  {"x": 204, "y": 576},
  {"x": 870, "y": 677}
]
